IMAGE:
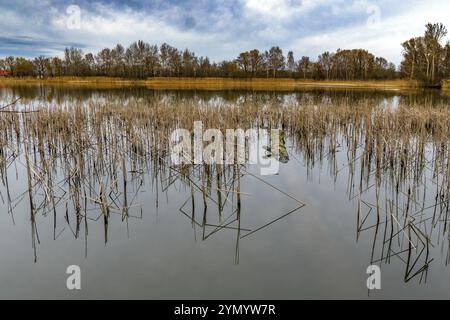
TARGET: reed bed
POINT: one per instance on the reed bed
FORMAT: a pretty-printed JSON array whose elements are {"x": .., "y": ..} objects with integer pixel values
[{"x": 91, "y": 158}]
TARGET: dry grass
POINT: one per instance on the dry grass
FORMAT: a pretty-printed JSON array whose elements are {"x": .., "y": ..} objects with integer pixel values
[
  {"x": 95, "y": 152},
  {"x": 394, "y": 140},
  {"x": 446, "y": 85}
]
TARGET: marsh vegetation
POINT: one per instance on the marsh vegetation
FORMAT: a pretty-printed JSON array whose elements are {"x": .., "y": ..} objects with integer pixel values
[{"x": 95, "y": 164}]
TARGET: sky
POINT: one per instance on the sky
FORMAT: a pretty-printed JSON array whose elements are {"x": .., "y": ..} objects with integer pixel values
[{"x": 220, "y": 29}]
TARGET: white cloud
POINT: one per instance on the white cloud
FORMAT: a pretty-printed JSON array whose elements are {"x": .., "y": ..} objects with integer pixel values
[
  {"x": 281, "y": 9},
  {"x": 221, "y": 28},
  {"x": 114, "y": 26},
  {"x": 385, "y": 40}
]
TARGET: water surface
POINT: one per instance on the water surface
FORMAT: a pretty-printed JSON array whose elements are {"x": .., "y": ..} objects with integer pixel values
[{"x": 169, "y": 246}]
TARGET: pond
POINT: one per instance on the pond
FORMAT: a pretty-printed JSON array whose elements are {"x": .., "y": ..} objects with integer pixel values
[{"x": 86, "y": 181}]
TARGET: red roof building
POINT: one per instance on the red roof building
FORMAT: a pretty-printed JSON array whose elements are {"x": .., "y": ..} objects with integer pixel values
[{"x": 4, "y": 73}]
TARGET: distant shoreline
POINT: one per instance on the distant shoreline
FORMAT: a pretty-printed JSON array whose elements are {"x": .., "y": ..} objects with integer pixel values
[{"x": 257, "y": 84}]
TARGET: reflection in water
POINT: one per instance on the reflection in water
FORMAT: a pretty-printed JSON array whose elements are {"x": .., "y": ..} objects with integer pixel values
[
  {"x": 59, "y": 95},
  {"x": 83, "y": 159}
]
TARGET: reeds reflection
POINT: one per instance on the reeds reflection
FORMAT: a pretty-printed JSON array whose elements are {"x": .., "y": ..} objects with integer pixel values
[{"x": 89, "y": 161}]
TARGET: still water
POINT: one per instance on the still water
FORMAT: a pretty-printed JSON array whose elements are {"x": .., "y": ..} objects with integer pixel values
[{"x": 304, "y": 233}]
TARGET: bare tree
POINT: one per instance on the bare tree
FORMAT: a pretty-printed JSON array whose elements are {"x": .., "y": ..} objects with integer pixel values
[
  {"x": 243, "y": 61},
  {"x": 433, "y": 36},
  {"x": 326, "y": 62},
  {"x": 39, "y": 66},
  {"x": 410, "y": 54},
  {"x": 304, "y": 66},
  {"x": 291, "y": 62},
  {"x": 276, "y": 60}
]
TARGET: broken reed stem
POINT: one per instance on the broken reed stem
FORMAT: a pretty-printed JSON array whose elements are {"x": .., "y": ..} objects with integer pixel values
[{"x": 87, "y": 145}]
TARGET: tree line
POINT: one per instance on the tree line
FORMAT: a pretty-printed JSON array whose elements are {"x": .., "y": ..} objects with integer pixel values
[
  {"x": 142, "y": 60},
  {"x": 425, "y": 59}
]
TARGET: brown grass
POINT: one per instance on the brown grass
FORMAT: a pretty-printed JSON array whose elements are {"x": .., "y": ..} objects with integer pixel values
[
  {"x": 446, "y": 85},
  {"x": 390, "y": 137},
  {"x": 85, "y": 159}
]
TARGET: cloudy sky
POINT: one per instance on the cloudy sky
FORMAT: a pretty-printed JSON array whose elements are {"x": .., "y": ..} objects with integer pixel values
[{"x": 219, "y": 29}]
